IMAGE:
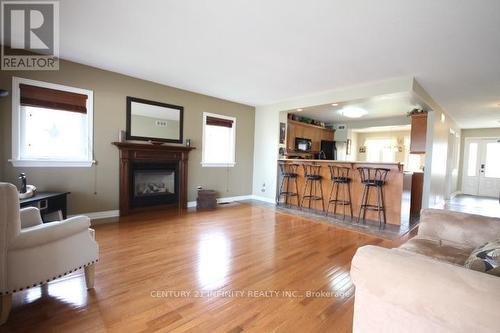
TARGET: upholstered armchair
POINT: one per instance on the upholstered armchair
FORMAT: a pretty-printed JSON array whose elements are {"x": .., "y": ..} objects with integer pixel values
[{"x": 34, "y": 253}]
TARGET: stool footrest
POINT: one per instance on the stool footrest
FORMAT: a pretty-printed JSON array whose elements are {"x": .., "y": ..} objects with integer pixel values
[
  {"x": 289, "y": 193},
  {"x": 340, "y": 202},
  {"x": 373, "y": 207},
  {"x": 311, "y": 197}
]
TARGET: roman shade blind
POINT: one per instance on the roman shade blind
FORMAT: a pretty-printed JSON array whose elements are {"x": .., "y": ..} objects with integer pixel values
[
  {"x": 52, "y": 99},
  {"x": 214, "y": 121}
]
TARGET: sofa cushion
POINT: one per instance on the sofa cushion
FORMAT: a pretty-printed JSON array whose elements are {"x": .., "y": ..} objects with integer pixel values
[
  {"x": 485, "y": 258},
  {"x": 437, "y": 250}
]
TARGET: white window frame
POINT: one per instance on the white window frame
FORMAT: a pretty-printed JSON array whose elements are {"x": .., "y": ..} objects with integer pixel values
[
  {"x": 16, "y": 160},
  {"x": 233, "y": 138}
]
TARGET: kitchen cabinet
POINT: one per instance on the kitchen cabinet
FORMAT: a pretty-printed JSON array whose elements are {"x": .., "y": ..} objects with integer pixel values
[
  {"x": 417, "y": 185},
  {"x": 315, "y": 133},
  {"x": 418, "y": 133}
]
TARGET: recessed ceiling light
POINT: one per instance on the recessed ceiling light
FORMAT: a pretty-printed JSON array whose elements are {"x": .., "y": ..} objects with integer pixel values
[
  {"x": 352, "y": 112},
  {"x": 299, "y": 110},
  {"x": 335, "y": 104}
]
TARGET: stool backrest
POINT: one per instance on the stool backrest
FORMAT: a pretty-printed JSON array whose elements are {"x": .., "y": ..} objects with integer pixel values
[
  {"x": 373, "y": 174},
  {"x": 337, "y": 172},
  {"x": 311, "y": 169},
  {"x": 287, "y": 168}
]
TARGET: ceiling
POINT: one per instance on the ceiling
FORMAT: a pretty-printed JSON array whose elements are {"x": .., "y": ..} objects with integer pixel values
[
  {"x": 264, "y": 51},
  {"x": 386, "y": 106}
]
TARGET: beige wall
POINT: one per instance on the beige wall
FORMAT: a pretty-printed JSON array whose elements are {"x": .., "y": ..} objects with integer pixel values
[
  {"x": 96, "y": 188},
  {"x": 474, "y": 133}
]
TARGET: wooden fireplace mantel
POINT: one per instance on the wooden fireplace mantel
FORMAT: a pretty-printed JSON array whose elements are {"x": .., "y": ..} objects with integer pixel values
[{"x": 146, "y": 152}]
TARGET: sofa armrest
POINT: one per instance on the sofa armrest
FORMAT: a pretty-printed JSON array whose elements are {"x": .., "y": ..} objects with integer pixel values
[
  {"x": 439, "y": 295},
  {"x": 458, "y": 228},
  {"x": 30, "y": 217},
  {"x": 49, "y": 232}
]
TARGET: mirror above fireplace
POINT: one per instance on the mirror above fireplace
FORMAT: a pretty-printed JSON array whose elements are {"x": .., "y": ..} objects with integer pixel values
[{"x": 154, "y": 121}]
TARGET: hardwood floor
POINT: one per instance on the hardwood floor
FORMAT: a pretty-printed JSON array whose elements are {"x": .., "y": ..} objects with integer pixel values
[{"x": 147, "y": 261}]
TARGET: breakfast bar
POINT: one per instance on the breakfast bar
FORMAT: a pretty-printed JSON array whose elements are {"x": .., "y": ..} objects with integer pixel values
[{"x": 396, "y": 189}]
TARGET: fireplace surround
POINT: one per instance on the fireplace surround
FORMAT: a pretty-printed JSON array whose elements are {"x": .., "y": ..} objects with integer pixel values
[{"x": 152, "y": 176}]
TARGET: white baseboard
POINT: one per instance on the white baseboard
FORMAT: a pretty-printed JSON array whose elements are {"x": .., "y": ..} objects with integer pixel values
[
  {"x": 109, "y": 214},
  {"x": 98, "y": 217},
  {"x": 454, "y": 194},
  {"x": 265, "y": 199},
  {"x": 103, "y": 215},
  {"x": 192, "y": 204}
]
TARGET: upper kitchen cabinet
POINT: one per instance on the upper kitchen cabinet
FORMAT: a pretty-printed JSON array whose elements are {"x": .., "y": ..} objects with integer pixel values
[
  {"x": 418, "y": 133},
  {"x": 296, "y": 129}
]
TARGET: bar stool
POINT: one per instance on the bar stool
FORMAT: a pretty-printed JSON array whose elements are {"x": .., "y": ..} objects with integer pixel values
[
  {"x": 339, "y": 177},
  {"x": 289, "y": 175},
  {"x": 313, "y": 181},
  {"x": 373, "y": 177}
]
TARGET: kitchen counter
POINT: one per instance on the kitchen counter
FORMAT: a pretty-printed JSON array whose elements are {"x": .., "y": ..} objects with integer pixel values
[
  {"x": 373, "y": 164},
  {"x": 336, "y": 161},
  {"x": 396, "y": 189}
]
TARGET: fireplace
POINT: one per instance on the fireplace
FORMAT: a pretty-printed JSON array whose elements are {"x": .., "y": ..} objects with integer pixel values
[
  {"x": 154, "y": 183},
  {"x": 152, "y": 177}
]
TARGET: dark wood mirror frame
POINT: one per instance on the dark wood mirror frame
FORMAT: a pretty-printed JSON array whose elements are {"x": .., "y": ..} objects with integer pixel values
[{"x": 145, "y": 101}]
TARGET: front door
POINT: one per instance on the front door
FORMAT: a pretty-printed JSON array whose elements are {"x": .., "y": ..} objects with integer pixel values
[{"x": 481, "y": 169}]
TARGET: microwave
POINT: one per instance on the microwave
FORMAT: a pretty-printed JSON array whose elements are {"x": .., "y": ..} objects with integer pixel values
[{"x": 302, "y": 144}]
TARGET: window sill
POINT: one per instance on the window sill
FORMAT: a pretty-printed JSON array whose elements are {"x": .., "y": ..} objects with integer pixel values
[
  {"x": 51, "y": 163},
  {"x": 218, "y": 165}
]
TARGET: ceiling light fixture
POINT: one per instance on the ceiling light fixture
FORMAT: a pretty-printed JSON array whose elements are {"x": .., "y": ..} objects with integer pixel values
[
  {"x": 299, "y": 110},
  {"x": 335, "y": 104},
  {"x": 352, "y": 112}
]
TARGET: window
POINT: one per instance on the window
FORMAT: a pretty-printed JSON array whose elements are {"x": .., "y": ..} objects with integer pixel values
[
  {"x": 52, "y": 125},
  {"x": 380, "y": 150},
  {"x": 219, "y": 139},
  {"x": 472, "y": 162},
  {"x": 492, "y": 160}
]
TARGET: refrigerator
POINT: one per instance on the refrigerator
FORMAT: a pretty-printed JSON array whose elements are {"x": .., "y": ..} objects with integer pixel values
[{"x": 330, "y": 149}]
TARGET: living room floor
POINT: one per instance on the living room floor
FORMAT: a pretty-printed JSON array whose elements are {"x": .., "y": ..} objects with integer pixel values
[
  {"x": 474, "y": 205},
  {"x": 242, "y": 267}
]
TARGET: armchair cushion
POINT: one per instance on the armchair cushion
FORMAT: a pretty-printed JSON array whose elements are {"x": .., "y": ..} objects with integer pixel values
[
  {"x": 435, "y": 249},
  {"x": 455, "y": 228},
  {"x": 48, "y": 232},
  {"x": 30, "y": 217}
]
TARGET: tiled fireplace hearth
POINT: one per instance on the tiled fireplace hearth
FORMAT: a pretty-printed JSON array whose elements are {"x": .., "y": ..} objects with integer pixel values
[{"x": 152, "y": 176}]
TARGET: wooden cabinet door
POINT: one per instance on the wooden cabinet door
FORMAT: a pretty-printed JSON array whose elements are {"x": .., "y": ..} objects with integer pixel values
[
  {"x": 300, "y": 132},
  {"x": 290, "y": 136},
  {"x": 418, "y": 133},
  {"x": 417, "y": 185},
  {"x": 315, "y": 135}
]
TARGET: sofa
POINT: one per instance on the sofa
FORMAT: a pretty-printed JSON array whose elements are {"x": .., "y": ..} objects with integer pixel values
[{"x": 423, "y": 286}]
